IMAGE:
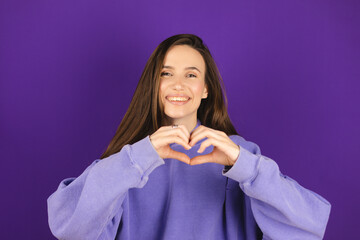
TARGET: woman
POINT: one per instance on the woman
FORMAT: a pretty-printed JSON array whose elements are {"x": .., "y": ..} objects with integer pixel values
[{"x": 177, "y": 169}]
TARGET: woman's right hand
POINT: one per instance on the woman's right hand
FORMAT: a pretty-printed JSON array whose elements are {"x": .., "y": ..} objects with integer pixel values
[{"x": 164, "y": 136}]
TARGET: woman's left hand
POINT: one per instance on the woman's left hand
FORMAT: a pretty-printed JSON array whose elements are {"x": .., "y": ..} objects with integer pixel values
[{"x": 225, "y": 151}]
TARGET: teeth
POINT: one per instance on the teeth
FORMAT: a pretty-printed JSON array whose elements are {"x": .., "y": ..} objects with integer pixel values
[{"x": 178, "y": 99}]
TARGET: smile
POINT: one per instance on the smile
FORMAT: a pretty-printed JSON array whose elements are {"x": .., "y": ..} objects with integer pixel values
[{"x": 178, "y": 100}]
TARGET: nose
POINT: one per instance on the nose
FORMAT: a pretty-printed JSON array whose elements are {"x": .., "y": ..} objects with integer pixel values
[{"x": 178, "y": 84}]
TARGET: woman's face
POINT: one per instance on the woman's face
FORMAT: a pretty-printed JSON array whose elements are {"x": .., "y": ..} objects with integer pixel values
[{"x": 182, "y": 84}]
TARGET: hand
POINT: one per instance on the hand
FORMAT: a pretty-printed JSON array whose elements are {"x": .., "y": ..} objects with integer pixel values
[
  {"x": 164, "y": 136},
  {"x": 225, "y": 151}
]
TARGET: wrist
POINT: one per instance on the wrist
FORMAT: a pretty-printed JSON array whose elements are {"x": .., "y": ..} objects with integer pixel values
[{"x": 236, "y": 155}]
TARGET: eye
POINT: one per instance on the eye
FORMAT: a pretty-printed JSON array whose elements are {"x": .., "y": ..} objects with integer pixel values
[
  {"x": 165, "y": 74},
  {"x": 191, "y": 75}
]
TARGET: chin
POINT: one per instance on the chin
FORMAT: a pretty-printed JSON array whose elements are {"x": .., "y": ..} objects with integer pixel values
[{"x": 176, "y": 115}]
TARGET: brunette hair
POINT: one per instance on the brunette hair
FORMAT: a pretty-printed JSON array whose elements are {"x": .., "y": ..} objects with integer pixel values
[{"x": 145, "y": 114}]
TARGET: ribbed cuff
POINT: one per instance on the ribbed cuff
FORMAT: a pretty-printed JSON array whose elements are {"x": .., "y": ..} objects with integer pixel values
[
  {"x": 144, "y": 156},
  {"x": 245, "y": 168}
]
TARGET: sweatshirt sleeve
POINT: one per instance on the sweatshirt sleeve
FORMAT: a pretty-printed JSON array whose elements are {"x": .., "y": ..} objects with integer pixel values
[
  {"x": 282, "y": 208},
  {"x": 89, "y": 206}
]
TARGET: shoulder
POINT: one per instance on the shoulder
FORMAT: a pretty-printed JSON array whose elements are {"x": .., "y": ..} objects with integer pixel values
[{"x": 248, "y": 145}]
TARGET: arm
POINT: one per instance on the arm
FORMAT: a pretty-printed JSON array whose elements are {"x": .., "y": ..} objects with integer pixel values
[
  {"x": 282, "y": 208},
  {"x": 89, "y": 206}
]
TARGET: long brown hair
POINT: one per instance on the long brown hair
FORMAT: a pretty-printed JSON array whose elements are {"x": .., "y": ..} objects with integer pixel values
[{"x": 145, "y": 114}]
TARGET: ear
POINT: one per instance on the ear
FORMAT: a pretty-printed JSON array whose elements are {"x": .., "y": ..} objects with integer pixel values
[{"x": 205, "y": 92}]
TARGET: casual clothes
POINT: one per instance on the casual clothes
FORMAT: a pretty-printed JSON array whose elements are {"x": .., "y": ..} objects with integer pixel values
[{"x": 135, "y": 194}]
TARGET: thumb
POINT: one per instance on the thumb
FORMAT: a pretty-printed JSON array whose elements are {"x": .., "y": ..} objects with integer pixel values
[
  {"x": 200, "y": 159},
  {"x": 179, "y": 156}
]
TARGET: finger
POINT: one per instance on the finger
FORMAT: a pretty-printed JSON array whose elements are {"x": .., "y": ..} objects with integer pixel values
[
  {"x": 194, "y": 137},
  {"x": 185, "y": 131},
  {"x": 211, "y": 142},
  {"x": 163, "y": 129},
  {"x": 165, "y": 137},
  {"x": 178, "y": 140},
  {"x": 182, "y": 132},
  {"x": 209, "y": 133},
  {"x": 161, "y": 141},
  {"x": 201, "y": 159},
  {"x": 159, "y": 134},
  {"x": 197, "y": 130},
  {"x": 207, "y": 143},
  {"x": 179, "y": 156}
]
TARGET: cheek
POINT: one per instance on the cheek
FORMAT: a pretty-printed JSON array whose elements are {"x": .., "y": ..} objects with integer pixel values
[
  {"x": 162, "y": 90},
  {"x": 198, "y": 90}
]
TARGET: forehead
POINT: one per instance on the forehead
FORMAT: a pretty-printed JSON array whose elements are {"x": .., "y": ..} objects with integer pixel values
[{"x": 182, "y": 56}]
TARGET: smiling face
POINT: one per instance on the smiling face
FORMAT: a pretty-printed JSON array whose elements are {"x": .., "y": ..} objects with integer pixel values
[{"x": 182, "y": 84}]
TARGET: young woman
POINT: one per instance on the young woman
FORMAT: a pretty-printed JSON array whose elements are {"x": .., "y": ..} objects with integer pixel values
[{"x": 177, "y": 169}]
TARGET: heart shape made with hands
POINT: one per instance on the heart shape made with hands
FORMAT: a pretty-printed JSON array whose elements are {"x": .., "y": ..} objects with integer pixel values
[{"x": 225, "y": 151}]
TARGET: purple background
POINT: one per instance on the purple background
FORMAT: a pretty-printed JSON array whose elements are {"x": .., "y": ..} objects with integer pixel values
[{"x": 68, "y": 70}]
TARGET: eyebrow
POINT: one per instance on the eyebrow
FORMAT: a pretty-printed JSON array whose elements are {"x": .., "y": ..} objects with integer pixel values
[{"x": 187, "y": 68}]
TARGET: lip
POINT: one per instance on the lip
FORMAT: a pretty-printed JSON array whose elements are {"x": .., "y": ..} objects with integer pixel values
[
  {"x": 178, "y": 102},
  {"x": 177, "y": 95}
]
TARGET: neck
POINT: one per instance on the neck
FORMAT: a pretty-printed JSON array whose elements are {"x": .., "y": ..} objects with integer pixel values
[{"x": 189, "y": 123}]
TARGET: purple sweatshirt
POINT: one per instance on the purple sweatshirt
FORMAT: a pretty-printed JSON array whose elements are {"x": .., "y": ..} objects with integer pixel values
[{"x": 135, "y": 194}]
